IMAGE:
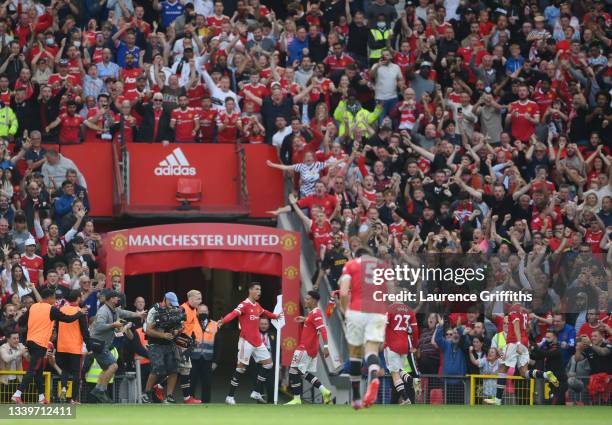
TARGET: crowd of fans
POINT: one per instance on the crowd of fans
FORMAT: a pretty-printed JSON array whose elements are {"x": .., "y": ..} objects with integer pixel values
[{"x": 436, "y": 127}]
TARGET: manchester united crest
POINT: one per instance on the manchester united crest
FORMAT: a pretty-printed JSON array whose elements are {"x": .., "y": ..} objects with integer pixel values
[
  {"x": 288, "y": 241},
  {"x": 290, "y": 308},
  {"x": 115, "y": 271},
  {"x": 291, "y": 272},
  {"x": 288, "y": 343},
  {"x": 119, "y": 242}
]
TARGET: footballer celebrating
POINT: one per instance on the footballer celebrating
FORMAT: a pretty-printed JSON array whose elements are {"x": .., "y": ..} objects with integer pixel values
[
  {"x": 366, "y": 320},
  {"x": 400, "y": 336},
  {"x": 250, "y": 343},
  {"x": 304, "y": 361},
  {"x": 517, "y": 354}
]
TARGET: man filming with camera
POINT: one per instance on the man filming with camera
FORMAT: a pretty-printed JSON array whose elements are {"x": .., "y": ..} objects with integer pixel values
[
  {"x": 102, "y": 333},
  {"x": 164, "y": 323}
]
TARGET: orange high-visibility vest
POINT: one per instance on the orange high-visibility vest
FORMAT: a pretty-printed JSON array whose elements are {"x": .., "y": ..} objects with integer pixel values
[
  {"x": 192, "y": 324},
  {"x": 69, "y": 337},
  {"x": 145, "y": 344},
  {"x": 40, "y": 325}
]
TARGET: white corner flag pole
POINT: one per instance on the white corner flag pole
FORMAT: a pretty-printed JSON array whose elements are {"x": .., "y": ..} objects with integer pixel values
[{"x": 278, "y": 324}]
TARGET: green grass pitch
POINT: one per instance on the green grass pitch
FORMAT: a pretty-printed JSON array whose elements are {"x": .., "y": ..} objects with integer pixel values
[{"x": 216, "y": 414}]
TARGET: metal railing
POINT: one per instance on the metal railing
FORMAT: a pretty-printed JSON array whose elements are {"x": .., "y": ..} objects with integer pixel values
[
  {"x": 31, "y": 393},
  {"x": 243, "y": 191}
]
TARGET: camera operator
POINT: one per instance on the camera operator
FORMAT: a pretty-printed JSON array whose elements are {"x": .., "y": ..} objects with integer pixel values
[
  {"x": 102, "y": 333},
  {"x": 162, "y": 350}
]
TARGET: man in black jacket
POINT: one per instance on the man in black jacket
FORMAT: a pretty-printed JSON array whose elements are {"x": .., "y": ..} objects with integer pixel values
[
  {"x": 155, "y": 126},
  {"x": 48, "y": 110},
  {"x": 549, "y": 352}
]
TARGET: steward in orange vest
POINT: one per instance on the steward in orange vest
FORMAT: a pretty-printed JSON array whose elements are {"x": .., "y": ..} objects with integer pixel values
[
  {"x": 205, "y": 355},
  {"x": 41, "y": 318},
  {"x": 70, "y": 340},
  {"x": 191, "y": 327}
]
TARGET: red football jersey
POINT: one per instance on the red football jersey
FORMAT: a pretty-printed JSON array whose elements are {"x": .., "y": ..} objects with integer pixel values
[
  {"x": 338, "y": 64},
  {"x": 361, "y": 271},
  {"x": 400, "y": 320},
  {"x": 327, "y": 202},
  {"x": 208, "y": 120},
  {"x": 70, "y": 128},
  {"x": 33, "y": 265},
  {"x": 320, "y": 235},
  {"x": 249, "y": 313},
  {"x": 229, "y": 134},
  {"x": 522, "y": 129},
  {"x": 185, "y": 124},
  {"x": 129, "y": 78},
  {"x": 259, "y": 90},
  {"x": 215, "y": 23},
  {"x": 56, "y": 78},
  {"x": 523, "y": 321},
  {"x": 313, "y": 325}
]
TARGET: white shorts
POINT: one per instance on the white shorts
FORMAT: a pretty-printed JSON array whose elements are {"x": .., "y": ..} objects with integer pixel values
[
  {"x": 246, "y": 351},
  {"x": 363, "y": 327},
  {"x": 512, "y": 357},
  {"x": 303, "y": 362},
  {"x": 394, "y": 361}
]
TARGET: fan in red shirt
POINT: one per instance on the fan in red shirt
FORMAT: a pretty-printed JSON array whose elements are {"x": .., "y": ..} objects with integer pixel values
[
  {"x": 130, "y": 73},
  {"x": 256, "y": 88},
  {"x": 184, "y": 121},
  {"x": 100, "y": 120},
  {"x": 250, "y": 343},
  {"x": 228, "y": 123},
  {"x": 401, "y": 336},
  {"x": 69, "y": 123},
  {"x": 517, "y": 354},
  {"x": 321, "y": 199},
  {"x": 543, "y": 95},
  {"x": 137, "y": 21},
  {"x": 208, "y": 118},
  {"x": 304, "y": 360},
  {"x": 404, "y": 57},
  {"x": 361, "y": 289},
  {"x": 339, "y": 60},
  {"x": 5, "y": 91},
  {"x": 217, "y": 19},
  {"x": 32, "y": 262},
  {"x": 592, "y": 324},
  {"x": 523, "y": 115},
  {"x": 593, "y": 236},
  {"x": 56, "y": 80}
]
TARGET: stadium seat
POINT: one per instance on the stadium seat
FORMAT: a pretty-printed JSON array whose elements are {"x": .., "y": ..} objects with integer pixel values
[
  {"x": 435, "y": 396},
  {"x": 188, "y": 191}
]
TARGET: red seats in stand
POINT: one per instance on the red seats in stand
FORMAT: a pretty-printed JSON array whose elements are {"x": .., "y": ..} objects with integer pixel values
[
  {"x": 435, "y": 396},
  {"x": 188, "y": 190}
]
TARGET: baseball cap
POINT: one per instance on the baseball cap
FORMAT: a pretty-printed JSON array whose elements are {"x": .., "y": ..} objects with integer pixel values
[
  {"x": 172, "y": 299},
  {"x": 63, "y": 62},
  {"x": 30, "y": 241},
  {"x": 425, "y": 63}
]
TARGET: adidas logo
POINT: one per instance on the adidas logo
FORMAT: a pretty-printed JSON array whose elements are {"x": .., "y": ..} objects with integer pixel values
[{"x": 175, "y": 164}]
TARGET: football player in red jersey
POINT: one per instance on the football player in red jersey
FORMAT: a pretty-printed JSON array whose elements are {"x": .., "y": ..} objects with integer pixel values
[
  {"x": 365, "y": 322},
  {"x": 304, "y": 361},
  {"x": 250, "y": 343},
  {"x": 400, "y": 336},
  {"x": 517, "y": 354}
]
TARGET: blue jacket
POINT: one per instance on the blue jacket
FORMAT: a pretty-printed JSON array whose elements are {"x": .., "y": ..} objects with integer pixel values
[
  {"x": 295, "y": 50},
  {"x": 567, "y": 335},
  {"x": 62, "y": 206},
  {"x": 453, "y": 358}
]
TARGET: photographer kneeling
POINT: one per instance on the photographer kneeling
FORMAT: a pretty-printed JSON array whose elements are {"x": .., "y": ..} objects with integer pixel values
[{"x": 164, "y": 322}]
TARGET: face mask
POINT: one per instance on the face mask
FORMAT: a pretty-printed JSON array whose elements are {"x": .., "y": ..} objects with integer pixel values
[
  {"x": 203, "y": 317},
  {"x": 381, "y": 25},
  {"x": 77, "y": 44},
  {"x": 50, "y": 41}
]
